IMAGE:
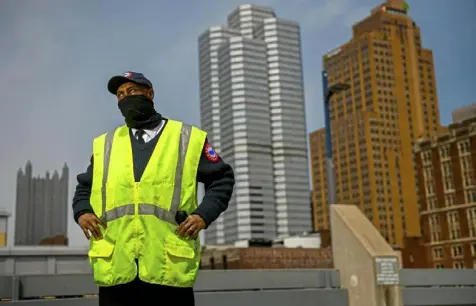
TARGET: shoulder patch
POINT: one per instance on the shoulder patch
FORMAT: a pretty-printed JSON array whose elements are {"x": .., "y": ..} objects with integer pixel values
[{"x": 210, "y": 153}]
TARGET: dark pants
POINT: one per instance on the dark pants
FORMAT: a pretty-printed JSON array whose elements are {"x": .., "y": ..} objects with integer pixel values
[{"x": 141, "y": 294}]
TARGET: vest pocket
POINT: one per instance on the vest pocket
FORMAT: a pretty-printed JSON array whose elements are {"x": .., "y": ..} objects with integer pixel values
[
  {"x": 100, "y": 257},
  {"x": 181, "y": 262}
]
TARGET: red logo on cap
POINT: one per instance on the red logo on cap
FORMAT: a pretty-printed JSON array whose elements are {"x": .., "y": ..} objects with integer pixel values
[{"x": 128, "y": 74}]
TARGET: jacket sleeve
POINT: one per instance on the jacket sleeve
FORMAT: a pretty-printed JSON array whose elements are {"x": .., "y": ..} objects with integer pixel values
[
  {"x": 219, "y": 180},
  {"x": 81, "y": 199}
]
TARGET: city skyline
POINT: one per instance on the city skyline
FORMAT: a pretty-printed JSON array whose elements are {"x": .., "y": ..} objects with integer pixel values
[
  {"x": 67, "y": 106},
  {"x": 252, "y": 104},
  {"x": 41, "y": 205}
]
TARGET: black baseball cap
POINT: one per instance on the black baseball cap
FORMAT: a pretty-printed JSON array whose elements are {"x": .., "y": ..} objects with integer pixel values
[{"x": 116, "y": 81}]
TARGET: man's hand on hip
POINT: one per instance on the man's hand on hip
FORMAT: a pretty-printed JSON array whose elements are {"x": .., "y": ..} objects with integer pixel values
[
  {"x": 90, "y": 223},
  {"x": 191, "y": 227}
]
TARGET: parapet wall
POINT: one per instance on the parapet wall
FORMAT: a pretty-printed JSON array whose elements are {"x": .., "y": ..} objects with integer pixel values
[{"x": 369, "y": 267}]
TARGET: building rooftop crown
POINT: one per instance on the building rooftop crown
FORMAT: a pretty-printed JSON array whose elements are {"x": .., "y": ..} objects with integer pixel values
[{"x": 397, "y": 5}]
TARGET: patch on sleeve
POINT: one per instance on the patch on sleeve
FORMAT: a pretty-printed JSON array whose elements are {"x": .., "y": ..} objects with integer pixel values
[{"x": 210, "y": 153}]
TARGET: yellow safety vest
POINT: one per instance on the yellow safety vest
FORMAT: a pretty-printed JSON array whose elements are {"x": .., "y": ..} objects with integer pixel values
[{"x": 140, "y": 216}]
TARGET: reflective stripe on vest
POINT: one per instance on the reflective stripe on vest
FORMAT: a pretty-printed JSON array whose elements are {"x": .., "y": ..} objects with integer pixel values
[{"x": 145, "y": 208}]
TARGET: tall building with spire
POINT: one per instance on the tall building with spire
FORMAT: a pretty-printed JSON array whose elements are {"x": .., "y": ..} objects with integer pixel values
[
  {"x": 252, "y": 106},
  {"x": 391, "y": 103},
  {"x": 41, "y": 205}
]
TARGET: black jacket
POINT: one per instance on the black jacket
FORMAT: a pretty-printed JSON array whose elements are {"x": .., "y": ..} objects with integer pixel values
[{"x": 217, "y": 177}]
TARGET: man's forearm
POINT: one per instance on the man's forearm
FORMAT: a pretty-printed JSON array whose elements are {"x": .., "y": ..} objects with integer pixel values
[
  {"x": 80, "y": 207},
  {"x": 217, "y": 196},
  {"x": 81, "y": 199}
]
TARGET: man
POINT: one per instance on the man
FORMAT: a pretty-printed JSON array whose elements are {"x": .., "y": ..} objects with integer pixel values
[{"x": 137, "y": 201}]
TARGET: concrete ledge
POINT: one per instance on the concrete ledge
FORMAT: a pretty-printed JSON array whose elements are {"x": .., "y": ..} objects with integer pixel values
[
  {"x": 4, "y": 213},
  {"x": 309, "y": 297},
  {"x": 43, "y": 251},
  {"x": 365, "y": 260},
  {"x": 436, "y": 296},
  {"x": 245, "y": 287}
]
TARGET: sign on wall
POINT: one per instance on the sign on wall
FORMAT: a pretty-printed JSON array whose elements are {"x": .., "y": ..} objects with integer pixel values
[{"x": 387, "y": 270}]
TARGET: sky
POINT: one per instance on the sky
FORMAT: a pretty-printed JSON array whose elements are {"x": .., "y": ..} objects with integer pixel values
[{"x": 56, "y": 57}]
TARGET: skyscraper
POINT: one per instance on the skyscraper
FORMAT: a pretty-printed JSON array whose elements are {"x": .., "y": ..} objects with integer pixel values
[
  {"x": 252, "y": 106},
  {"x": 391, "y": 103},
  {"x": 41, "y": 206}
]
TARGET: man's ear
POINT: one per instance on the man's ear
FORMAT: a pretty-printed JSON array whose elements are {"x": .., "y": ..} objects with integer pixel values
[{"x": 150, "y": 94}]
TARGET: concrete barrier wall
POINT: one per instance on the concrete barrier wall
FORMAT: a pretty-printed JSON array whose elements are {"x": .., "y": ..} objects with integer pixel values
[
  {"x": 251, "y": 287},
  {"x": 43, "y": 260},
  {"x": 438, "y": 287},
  {"x": 231, "y": 288}
]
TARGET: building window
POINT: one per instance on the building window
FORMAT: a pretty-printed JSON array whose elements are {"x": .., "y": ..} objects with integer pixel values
[
  {"x": 471, "y": 215},
  {"x": 473, "y": 249},
  {"x": 445, "y": 152},
  {"x": 458, "y": 265},
  {"x": 453, "y": 225},
  {"x": 447, "y": 172},
  {"x": 470, "y": 196},
  {"x": 426, "y": 157},
  {"x": 449, "y": 183},
  {"x": 456, "y": 251},
  {"x": 430, "y": 191},
  {"x": 431, "y": 203},
  {"x": 435, "y": 228},
  {"x": 427, "y": 174},
  {"x": 464, "y": 147},
  {"x": 450, "y": 199},
  {"x": 439, "y": 266},
  {"x": 468, "y": 179},
  {"x": 437, "y": 253},
  {"x": 467, "y": 171}
]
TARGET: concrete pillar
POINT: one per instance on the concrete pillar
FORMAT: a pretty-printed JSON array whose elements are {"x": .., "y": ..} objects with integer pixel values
[
  {"x": 4, "y": 215},
  {"x": 369, "y": 267}
]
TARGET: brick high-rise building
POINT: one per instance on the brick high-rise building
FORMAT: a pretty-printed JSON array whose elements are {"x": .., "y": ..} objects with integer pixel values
[
  {"x": 391, "y": 102},
  {"x": 446, "y": 167}
]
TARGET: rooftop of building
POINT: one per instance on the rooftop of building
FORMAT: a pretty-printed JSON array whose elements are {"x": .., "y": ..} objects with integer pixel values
[
  {"x": 464, "y": 112},
  {"x": 4, "y": 213},
  {"x": 451, "y": 133},
  {"x": 464, "y": 108},
  {"x": 395, "y": 5}
]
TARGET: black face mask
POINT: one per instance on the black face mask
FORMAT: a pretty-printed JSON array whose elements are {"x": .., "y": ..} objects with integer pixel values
[{"x": 139, "y": 112}]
